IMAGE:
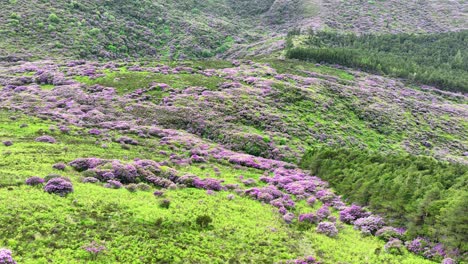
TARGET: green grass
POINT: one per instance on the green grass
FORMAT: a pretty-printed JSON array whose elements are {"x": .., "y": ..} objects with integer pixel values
[{"x": 127, "y": 81}]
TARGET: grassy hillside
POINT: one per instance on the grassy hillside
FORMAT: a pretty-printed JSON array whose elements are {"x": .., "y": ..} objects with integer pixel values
[
  {"x": 237, "y": 122},
  {"x": 193, "y": 29}
]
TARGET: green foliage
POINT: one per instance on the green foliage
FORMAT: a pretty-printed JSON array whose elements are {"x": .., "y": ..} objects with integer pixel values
[
  {"x": 203, "y": 221},
  {"x": 434, "y": 59},
  {"x": 54, "y": 18},
  {"x": 425, "y": 195}
]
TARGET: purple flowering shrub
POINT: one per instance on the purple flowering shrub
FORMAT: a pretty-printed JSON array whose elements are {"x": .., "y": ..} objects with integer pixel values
[
  {"x": 111, "y": 184},
  {"x": 327, "y": 228},
  {"x": 448, "y": 261},
  {"x": 308, "y": 218},
  {"x": 59, "y": 166},
  {"x": 288, "y": 217},
  {"x": 350, "y": 214},
  {"x": 83, "y": 164},
  {"x": 34, "y": 181},
  {"x": 89, "y": 180},
  {"x": 59, "y": 186},
  {"x": 305, "y": 260},
  {"x": 208, "y": 184},
  {"x": 94, "y": 249},
  {"x": 369, "y": 224},
  {"x": 5, "y": 256},
  {"x": 46, "y": 139},
  {"x": 7, "y": 143},
  {"x": 126, "y": 173}
]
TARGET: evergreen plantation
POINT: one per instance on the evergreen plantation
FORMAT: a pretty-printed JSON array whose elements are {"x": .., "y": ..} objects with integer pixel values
[{"x": 439, "y": 59}]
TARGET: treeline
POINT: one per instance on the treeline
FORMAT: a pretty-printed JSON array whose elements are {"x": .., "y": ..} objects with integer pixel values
[
  {"x": 434, "y": 59},
  {"x": 427, "y": 196}
]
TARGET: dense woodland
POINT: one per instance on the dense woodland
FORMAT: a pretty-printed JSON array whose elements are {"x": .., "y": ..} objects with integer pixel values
[
  {"x": 427, "y": 196},
  {"x": 434, "y": 59}
]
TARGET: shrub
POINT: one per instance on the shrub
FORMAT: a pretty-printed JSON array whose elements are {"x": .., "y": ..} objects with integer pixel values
[
  {"x": 89, "y": 180},
  {"x": 203, "y": 221},
  {"x": 388, "y": 232},
  {"x": 165, "y": 203},
  {"x": 288, "y": 217},
  {"x": 448, "y": 261},
  {"x": 350, "y": 214},
  {"x": 34, "y": 181},
  {"x": 311, "y": 200},
  {"x": 59, "y": 186},
  {"x": 158, "y": 193},
  {"x": 46, "y": 139},
  {"x": 132, "y": 187},
  {"x": 59, "y": 166},
  {"x": 54, "y": 18},
  {"x": 5, "y": 256},
  {"x": 125, "y": 173},
  {"x": 95, "y": 132},
  {"x": 7, "y": 143},
  {"x": 143, "y": 187},
  {"x": 369, "y": 224},
  {"x": 309, "y": 218},
  {"x": 394, "y": 246},
  {"x": 85, "y": 164},
  {"x": 111, "y": 184},
  {"x": 327, "y": 228}
]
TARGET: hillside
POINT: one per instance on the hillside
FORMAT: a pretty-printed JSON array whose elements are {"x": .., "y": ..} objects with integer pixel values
[
  {"x": 227, "y": 123},
  {"x": 188, "y": 29},
  {"x": 234, "y": 131}
]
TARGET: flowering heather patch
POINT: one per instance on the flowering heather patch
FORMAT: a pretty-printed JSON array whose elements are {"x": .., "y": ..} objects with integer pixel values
[
  {"x": 305, "y": 260},
  {"x": 46, "y": 139},
  {"x": 309, "y": 218},
  {"x": 418, "y": 245},
  {"x": 350, "y": 214},
  {"x": 113, "y": 184},
  {"x": 94, "y": 249},
  {"x": 5, "y": 256},
  {"x": 198, "y": 159},
  {"x": 126, "y": 173},
  {"x": 89, "y": 180},
  {"x": 83, "y": 164},
  {"x": 59, "y": 166},
  {"x": 448, "y": 261},
  {"x": 95, "y": 132},
  {"x": 127, "y": 140},
  {"x": 158, "y": 193},
  {"x": 7, "y": 143},
  {"x": 323, "y": 212},
  {"x": 327, "y": 228},
  {"x": 208, "y": 184},
  {"x": 58, "y": 186},
  {"x": 369, "y": 224},
  {"x": 33, "y": 181},
  {"x": 288, "y": 217}
]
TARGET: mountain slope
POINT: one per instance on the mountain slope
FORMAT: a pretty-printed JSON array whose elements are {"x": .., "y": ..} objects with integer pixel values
[{"x": 175, "y": 29}]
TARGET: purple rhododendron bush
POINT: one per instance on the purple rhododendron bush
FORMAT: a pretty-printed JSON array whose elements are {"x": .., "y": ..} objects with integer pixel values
[{"x": 199, "y": 162}]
